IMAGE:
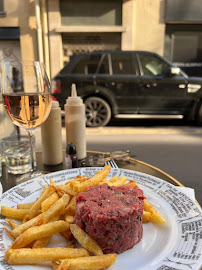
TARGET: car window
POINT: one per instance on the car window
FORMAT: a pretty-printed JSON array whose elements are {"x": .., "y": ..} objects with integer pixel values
[
  {"x": 103, "y": 67},
  {"x": 152, "y": 65},
  {"x": 122, "y": 63},
  {"x": 87, "y": 65}
]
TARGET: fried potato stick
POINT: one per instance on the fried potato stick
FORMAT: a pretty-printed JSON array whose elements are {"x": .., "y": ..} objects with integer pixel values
[
  {"x": 41, "y": 243},
  {"x": 33, "y": 256},
  {"x": 65, "y": 189},
  {"x": 47, "y": 203},
  {"x": 146, "y": 217},
  {"x": 88, "y": 263},
  {"x": 132, "y": 183},
  {"x": 155, "y": 216},
  {"x": 71, "y": 207},
  {"x": 16, "y": 213},
  {"x": 37, "y": 205},
  {"x": 78, "y": 179},
  {"x": 25, "y": 205},
  {"x": 9, "y": 233},
  {"x": 80, "y": 187},
  {"x": 113, "y": 179},
  {"x": 53, "y": 210},
  {"x": 69, "y": 218},
  {"x": 24, "y": 226},
  {"x": 52, "y": 183},
  {"x": 85, "y": 240},
  {"x": 12, "y": 223},
  {"x": 120, "y": 182},
  {"x": 38, "y": 232}
]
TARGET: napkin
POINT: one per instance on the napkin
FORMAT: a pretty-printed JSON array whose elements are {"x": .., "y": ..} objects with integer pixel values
[{"x": 188, "y": 191}]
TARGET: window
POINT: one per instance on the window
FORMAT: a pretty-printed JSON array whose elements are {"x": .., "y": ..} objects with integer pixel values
[
  {"x": 122, "y": 63},
  {"x": 100, "y": 13},
  {"x": 103, "y": 67},
  {"x": 183, "y": 46},
  {"x": 88, "y": 64},
  {"x": 152, "y": 65},
  {"x": 2, "y": 12}
]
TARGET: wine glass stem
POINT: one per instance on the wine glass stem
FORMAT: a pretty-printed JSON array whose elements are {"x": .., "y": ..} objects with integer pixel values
[{"x": 30, "y": 133}]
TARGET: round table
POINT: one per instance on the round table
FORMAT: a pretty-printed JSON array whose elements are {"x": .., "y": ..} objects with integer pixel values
[{"x": 9, "y": 180}]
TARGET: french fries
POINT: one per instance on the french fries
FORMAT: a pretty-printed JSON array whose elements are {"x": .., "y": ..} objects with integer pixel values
[
  {"x": 53, "y": 212},
  {"x": 119, "y": 182},
  {"x": 88, "y": 263},
  {"x": 37, "y": 205},
  {"x": 38, "y": 232},
  {"x": 16, "y": 213},
  {"x": 47, "y": 203},
  {"x": 71, "y": 208},
  {"x": 69, "y": 218},
  {"x": 92, "y": 181},
  {"x": 155, "y": 216},
  {"x": 25, "y": 205},
  {"x": 40, "y": 243},
  {"x": 146, "y": 217},
  {"x": 12, "y": 223},
  {"x": 30, "y": 256},
  {"x": 24, "y": 226},
  {"x": 85, "y": 240}
]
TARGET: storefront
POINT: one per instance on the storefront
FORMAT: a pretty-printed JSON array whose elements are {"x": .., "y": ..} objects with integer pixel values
[{"x": 183, "y": 37}]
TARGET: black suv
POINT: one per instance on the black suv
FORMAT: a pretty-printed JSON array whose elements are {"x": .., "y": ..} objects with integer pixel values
[{"x": 129, "y": 84}]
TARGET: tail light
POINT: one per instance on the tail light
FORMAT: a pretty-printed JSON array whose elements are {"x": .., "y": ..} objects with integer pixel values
[{"x": 56, "y": 86}]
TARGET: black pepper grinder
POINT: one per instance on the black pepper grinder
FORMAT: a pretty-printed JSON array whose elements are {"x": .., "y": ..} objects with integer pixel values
[{"x": 71, "y": 160}]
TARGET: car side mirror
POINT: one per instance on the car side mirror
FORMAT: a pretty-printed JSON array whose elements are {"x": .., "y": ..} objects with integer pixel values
[{"x": 174, "y": 71}]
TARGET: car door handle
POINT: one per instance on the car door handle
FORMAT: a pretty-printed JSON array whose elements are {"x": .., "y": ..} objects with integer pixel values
[
  {"x": 182, "y": 86},
  {"x": 148, "y": 85}
]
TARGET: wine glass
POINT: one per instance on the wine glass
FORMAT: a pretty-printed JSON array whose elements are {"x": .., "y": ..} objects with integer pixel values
[{"x": 26, "y": 94}]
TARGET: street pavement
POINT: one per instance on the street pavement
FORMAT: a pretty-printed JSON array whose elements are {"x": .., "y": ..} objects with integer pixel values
[{"x": 175, "y": 149}]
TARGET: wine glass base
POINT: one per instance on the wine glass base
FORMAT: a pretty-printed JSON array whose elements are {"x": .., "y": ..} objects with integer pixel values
[{"x": 28, "y": 176}]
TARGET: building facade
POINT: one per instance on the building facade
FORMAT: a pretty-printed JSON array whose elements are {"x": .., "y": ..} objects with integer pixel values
[
  {"x": 52, "y": 30},
  {"x": 18, "y": 39},
  {"x": 87, "y": 25},
  {"x": 183, "y": 35}
]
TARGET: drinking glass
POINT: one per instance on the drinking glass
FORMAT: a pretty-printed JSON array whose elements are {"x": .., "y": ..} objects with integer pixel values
[{"x": 26, "y": 94}]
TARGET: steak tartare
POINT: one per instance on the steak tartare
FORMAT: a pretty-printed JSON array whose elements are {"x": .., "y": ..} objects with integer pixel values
[{"x": 111, "y": 215}]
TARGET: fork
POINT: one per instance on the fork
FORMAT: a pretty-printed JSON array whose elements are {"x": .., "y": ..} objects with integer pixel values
[{"x": 112, "y": 163}]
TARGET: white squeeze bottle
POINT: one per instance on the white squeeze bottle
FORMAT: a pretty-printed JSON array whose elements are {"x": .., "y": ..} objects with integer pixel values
[
  {"x": 75, "y": 123},
  {"x": 51, "y": 136}
]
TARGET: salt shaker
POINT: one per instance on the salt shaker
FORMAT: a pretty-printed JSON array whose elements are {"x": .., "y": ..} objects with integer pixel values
[
  {"x": 75, "y": 123},
  {"x": 51, "y": 135}
]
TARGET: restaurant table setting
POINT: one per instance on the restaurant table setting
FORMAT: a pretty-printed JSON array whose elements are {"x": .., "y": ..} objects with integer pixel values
[{"x": 175, "y": 244}]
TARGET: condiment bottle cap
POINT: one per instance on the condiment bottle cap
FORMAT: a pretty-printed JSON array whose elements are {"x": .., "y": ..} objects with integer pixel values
[
  {"x": 71, "y": 149},
  {"x": 55, "y": 104},
  {"x": 74, "y": 100}
]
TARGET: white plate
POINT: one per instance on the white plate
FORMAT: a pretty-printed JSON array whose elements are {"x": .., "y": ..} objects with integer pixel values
[{"x": 176, "y": 245}]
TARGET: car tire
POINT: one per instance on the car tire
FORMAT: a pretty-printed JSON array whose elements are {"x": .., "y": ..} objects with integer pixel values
[
  {"x": 199, "y": 115},
  {"x": 98, "y": 112}
]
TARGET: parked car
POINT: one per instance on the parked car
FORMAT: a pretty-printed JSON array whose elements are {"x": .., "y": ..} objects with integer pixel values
[{"x": 129, "y": 84}]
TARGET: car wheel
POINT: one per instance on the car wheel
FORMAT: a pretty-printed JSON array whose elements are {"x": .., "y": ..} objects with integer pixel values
[
  {"x": 199, "y": 115},
  {"x": 98, "y": 112}
]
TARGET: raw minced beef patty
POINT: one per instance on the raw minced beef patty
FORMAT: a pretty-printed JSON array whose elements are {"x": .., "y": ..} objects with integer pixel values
[{"x": 111, "y": 215}]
